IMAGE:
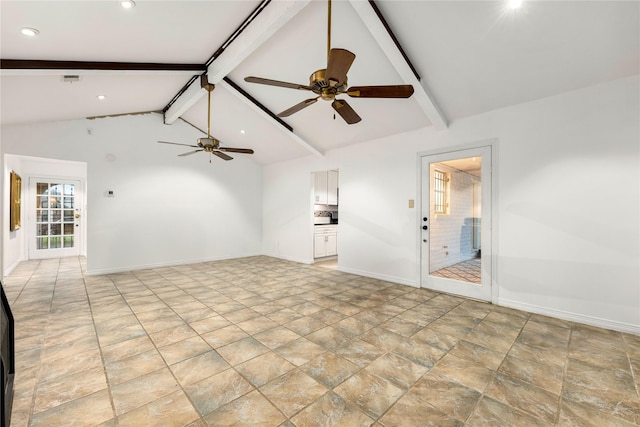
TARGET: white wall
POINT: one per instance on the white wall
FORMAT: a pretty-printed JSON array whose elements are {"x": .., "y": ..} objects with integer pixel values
[
  {"x": 568, "y": 203},
  {"x": 167, "y": 209}
]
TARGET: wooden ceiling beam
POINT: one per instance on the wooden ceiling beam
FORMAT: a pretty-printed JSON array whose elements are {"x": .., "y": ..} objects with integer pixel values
[{"x": 46, "y": 67}]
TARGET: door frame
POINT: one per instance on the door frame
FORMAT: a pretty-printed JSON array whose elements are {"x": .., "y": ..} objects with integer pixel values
[
  {"x": 30, "y": 210},
  {"x": 493, "y": 253}
]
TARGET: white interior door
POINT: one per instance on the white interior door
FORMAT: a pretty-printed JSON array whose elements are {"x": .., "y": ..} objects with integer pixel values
[
  {"x": 456, "y": 222},
  {"x": 54, "y": 218}
]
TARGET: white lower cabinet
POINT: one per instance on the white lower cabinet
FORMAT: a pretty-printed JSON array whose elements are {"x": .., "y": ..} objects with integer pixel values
[{"x": 325, "y": 241}]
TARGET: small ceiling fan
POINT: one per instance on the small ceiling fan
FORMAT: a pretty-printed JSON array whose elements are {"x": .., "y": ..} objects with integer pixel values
[
  {"x": 332, "y": 81},
  {"x": 210, "y": 144}
]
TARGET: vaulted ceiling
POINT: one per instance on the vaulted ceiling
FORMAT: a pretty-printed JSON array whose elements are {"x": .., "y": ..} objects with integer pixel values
[{"x": 464, "y": 58}]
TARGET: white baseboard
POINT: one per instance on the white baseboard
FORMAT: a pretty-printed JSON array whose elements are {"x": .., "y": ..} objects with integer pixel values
[
  {"x": 384, "y": 277},
  {"x": 7, "y": 271},
  {"x": 124, "y": 269},
  {"x": 573, "y": 317},
  {"x": 288, "y": 258}
]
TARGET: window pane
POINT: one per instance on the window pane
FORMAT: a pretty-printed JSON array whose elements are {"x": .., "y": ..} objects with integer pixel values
[
  {"x": 55, "y": 242},
  {"x": 42, "y": 230},
  {"x": 69, "y": 190},
  {"x": 55, "y": 190},
  {"x": 42, "y": 202},
  {"x": 68, "y": 216},
  {"x": 55, "y": 230},
  {"x": 56, "y": 216},
  {"x": 68, "y": 241},
  {"x": 68, "y": 229},
  {"x": 42, "y": 215},
  {"x": 55, "y": 202},
  {"x": 68, "y": 202},
  {"x": 41, "y": 188},
  {"x": 42, "y": 243}
]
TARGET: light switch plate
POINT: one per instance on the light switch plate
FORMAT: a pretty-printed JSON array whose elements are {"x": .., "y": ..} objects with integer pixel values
[{"x": 411, "y": 204}]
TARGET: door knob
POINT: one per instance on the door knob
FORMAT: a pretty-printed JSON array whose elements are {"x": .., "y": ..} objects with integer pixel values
[
  {"x": 77, "y": 216},
  {"x": 425, "y": 227}
]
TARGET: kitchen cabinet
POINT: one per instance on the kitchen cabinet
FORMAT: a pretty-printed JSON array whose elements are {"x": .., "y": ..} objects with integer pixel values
[
  {"x": 325, "y": 241},
  {"x": 325, "y": 187}
]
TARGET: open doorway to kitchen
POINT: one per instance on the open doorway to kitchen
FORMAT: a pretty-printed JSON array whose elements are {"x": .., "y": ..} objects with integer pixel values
[
  {"x": 456, "y": 218},
  {"x": 325, "y": 217}
]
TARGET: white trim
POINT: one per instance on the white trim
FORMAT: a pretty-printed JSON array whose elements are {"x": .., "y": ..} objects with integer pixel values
[
  {"x": 492, "y": 256},
  {"x": 391, "y": 279},
  {"x": 573, "y": 317},
  {"x": 101, "y": 271},
  {"x": 288, "y": 258}
]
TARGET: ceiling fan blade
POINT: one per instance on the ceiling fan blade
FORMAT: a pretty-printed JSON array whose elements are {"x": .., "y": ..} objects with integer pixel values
[
  {"x": 345, "y": 111},
  {"x": 278, "y": 83},
  {"x": 222, "y": 155},
  {"x": 299, "y": 106},
  {"x": 340, "y": 61},
  {"x": 393, "y": 91},
  {"x": 189, "y": 153},
  {"x": 236, "y": 150},
  {"x": 176, "y": 143}
]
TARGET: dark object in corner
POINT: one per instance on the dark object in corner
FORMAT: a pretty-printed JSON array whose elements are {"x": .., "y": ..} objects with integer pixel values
[{"x": 7, "y": 359}]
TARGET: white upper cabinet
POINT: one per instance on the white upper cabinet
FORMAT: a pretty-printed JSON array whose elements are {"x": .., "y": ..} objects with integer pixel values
[{"x": 325, "y": 186}]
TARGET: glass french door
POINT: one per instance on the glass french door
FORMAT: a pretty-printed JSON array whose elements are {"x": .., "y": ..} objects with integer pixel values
[
  {"x": 56, "y": 212},
  {"x": 456, "y": 223}
]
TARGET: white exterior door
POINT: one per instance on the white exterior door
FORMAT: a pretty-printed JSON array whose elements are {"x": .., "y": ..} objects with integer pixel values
[
  {"x": 455, "y": 222},
  {"x": 54, "y": 218}
]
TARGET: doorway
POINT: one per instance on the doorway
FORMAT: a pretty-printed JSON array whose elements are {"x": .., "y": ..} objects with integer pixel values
[
  {"x": 55, "y": 206},
  {"x": 456, "y": 222}
]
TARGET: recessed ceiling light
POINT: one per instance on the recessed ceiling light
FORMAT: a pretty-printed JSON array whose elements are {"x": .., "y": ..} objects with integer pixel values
[
  {"x": 514, "y": 4},
  {"x": 101, "y": 97},
  {"x": 242, "y": 131},
  {"x": 127, "y": 4},
  {"x": 29, "y": 31}
]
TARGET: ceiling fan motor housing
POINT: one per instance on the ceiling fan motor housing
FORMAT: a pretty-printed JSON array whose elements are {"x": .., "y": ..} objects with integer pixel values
[
  {"x": 327, "y": 89},
  {"x": 208, "y": 143}
]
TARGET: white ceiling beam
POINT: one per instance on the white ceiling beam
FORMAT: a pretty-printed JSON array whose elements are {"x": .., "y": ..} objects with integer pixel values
[
  {"x": 269, "y": 118},
  {"x": 273, "y": 17},
  {"x": 386, "y": 43}
]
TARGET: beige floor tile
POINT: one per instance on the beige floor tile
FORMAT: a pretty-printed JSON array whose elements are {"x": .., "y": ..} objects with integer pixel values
[
  {"x": 373, "y": 395},
  {"x": 87, "y": 411},
  {"x": 140, "y": 364},
  {"x": 331, "y": 411},
  {"x": 217, "y": 390},
  {"x": 251, "y": 409},
  {"x": 186, "y": 349},
  {"x": 293, "y": 391},
  {"x": 264, "y": 368},
  {"x": 324, "y": 348},
  {"x": 173, "y": 410},
  {"x": 190, "y": 371},
  {"x": 64, "y": 389},
  {"x": 142, "y": 390},
  {"x": 329, "y": 369}
]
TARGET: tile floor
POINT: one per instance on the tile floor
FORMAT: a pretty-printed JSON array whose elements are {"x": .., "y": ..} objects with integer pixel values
[
  {"x": 265, "y": 342},
  {"x": 467, "y": 271}
]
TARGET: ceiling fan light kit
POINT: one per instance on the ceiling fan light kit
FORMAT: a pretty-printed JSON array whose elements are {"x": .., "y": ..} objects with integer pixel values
[
  {"x": 330, "y": 82},
  {"x": 210, "y": 144}
]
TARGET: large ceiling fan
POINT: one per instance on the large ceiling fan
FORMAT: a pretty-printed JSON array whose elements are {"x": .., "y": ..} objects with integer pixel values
[
  {"x": 210, "y": 144},
  {"x": 332, "y": 81}
]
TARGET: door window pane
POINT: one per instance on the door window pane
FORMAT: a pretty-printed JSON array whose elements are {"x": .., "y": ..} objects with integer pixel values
[
  {"x": 42, "y": 230},
  {"x": 69, "y": 189},
  {"x": 42, "y": 215},
  {"x": 68, "y": 229},
  {"x": 68, "y": 241},
  {"x": 55, "y": 242},
  {"x": 455, "y": 252},
  {"x": 42, "y": 242}
]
